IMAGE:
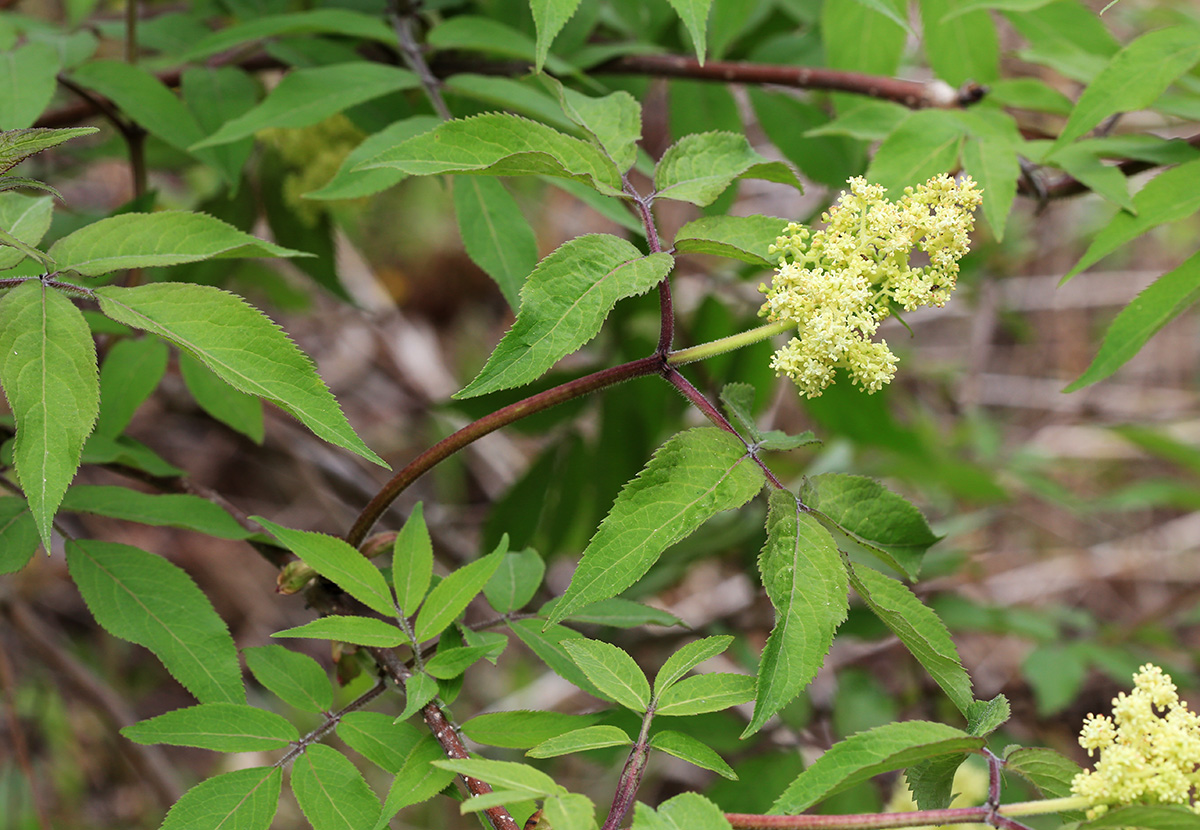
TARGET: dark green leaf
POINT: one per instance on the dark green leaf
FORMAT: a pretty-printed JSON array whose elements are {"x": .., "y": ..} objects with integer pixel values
[
  {"x": 694, "y": 14},
  {"x": 214, "y": 95},
  {"x": 450, "y": 663},
  {"x": 417, "y": 779},
  {"x": 419, "y": 689},
  {"x": 297, "y": 679},
  {"x": 18, "y": 534},
  {"x": 28, "y": 76},
  {"x": 1146, "y": 817},
  {"x": 548, "y": 646},
  {"x": 235, "y": 409},
  {"x": 495, "y": 234},
  {"x": 412, "y": 562},
  {"x": 316, "y": 21},
  {"x": 516, "y": 581},
  {"x": 130, "y": 373},
  {"x": 166, "y": 510},
  {"x": 931, "y": 781},
  {"x": 746, "y": 238},
  {"x": 18, "y": 145},
  {"x": 1047, "y": 770}
]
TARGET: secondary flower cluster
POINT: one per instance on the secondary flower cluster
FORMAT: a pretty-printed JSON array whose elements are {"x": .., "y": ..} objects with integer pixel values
[
  {"x": 1149, "y": 748},
  {"x": 838, "y": 283}
]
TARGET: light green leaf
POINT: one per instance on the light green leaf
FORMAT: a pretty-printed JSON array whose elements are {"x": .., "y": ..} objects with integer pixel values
[
  {"x": 412, "y": 562},
  {"x": 872, "y": 515},
  {"x": 146, "y": 240},
  {"x": 379, "y": 738},
  {"x": 738, "y": 237},
  {"x": 18, "y": 534},
  {"x": 1168, "y": 197},
  {"x": 523, "y": 729},
  {"x": 694, "y": 14},
  {"x": 548, "y": 645},
  {"x": 699, "y": 167},
  {"x": 869, "y": 121},
  {"x": 165, "y": 510},
  {"x": 1029, "y": 94},
  {"x": 1133, "y": 78},
  {"x": 686, "y": 659},
  {"x": 500, "y": 144},
  {"x": 101, "y": 449},
  {"x": 331, "y": 791},
  {"x": 451, "y": 663},
  {"x": 960, "y": 47},
  {"x": 18, "y": 145},
  {"x": 25, "y": 219},
  {"x": 474, "y": 33},
  {"x": 338, "y": 562},
  {"x": 144, "y": 98},
  {"x": 130, "y": 373},
  {"x": 516, "y": 581},
  {"x": 616, "y": 612},
  {"x": 964, "y": 6},
  {"x": 495, "y": 233},
  {"x": 693, "y": 751},
  {"x": 919, "y": 628},
  {"x": 894, "y": 10},
  {"x": 1166, "y": 298},
  {"x": 1107, "y": 180},
  {"x": 614, "y": 672},
  {"x": 806, "y": 583},
  {"x": 986, "y": 716},
  {"x": 867, "y": 754},
  {"x": 508, "y": 775},
  {"x": 691, "y": 478},
  {"x": 549, "y": 16},
  {"x": 689, "y": 811},
  {"x": 571, "y": 811},
  {"x": 362, "y": 631},
  {"x": 316, "y": 21},
  {"x": 1048, "y": 771},
  {"x": 237, "y": 410},
  {"x": 419, "y": 689},
  {"x": 416, "y": 781},
  {"x": 146, "y": 600},
  {"x": 580, "y": 740},
  {"x": 306, "y": 96},
  {"x": 452, "y": 595},
  {"x": 21, "y": 250},
  {"x": 614, "y": 122},
  {"x": 48, "y": 371},
  {"x": 297, "y": 679},
  {"x": 28, "y": 77},
  {"x": 563, "y": 305},
  {"x": 241, "y": 345},
  {"x": 246, "y": 799},
  {"x": 706, "y": 693},
  {"x": 351, "y": 183},
  {"x": 222, "y": 727},
  {"x": 994, "y": 165},
  {"x": 923, "y": 145}
]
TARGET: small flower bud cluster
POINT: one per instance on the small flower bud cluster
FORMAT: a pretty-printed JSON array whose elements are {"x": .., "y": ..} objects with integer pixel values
[
  {"x": 838, "y": 283},
  {"x": 1149, "y": 748}
]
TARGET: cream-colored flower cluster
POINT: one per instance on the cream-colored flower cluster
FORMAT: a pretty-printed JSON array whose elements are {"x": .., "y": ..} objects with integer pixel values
[
  {"x": 838, "y": 283},
  {"x": 1149, "y": 748}
]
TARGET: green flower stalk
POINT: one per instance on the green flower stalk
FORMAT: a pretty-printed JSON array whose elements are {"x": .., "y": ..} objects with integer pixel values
[
  {"x": 1149, "y": 748},
  {"x": 837, "y": 284}
]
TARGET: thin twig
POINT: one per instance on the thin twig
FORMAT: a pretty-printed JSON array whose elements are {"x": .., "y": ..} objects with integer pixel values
[
  {"x": 403, "y": 15},
  {"x": 331, "y": 722}
]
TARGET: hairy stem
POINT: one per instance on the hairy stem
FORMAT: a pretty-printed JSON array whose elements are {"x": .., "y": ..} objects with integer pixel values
[
  {"x": 728, "y": 344},
  {"x": 631, "y": 776}
]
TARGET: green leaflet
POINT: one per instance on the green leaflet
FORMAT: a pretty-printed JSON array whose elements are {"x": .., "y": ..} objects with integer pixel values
[
  {"x": 689, "y": 811},
  {"x": 548, "y": 645},
  {"x": 1168, "y": 297},
  {"x": 378, "y": 738},
  {"x": 523, "y": 729},
  {"x": 1047, "y": 770},
  {"x": 614, "y": 122},
  {"x": 26, "y": 220},
  {"x": 331, "y": 791},
  {"x": 1146, "y": 816},
  {"x": 738, "y": 237},
  {"x": 419, "y": 689},
  {"x": 516, "y": 581},
  {"x": 144, "y": 599},
  {"x": 549, "y": 16},
  {"x": 806, "y": 582},
  {"x": 238, "y": 343},
  {"x": 919, "y": 628},
  {"x": 48, "y": 371},
  {"x": 872, "y": 515},
  {"x": 145, "y": 240},
  {"x": 214, "y": 95},
  {"x": 224, "y": 727},
  {"x": 412, "y": 562},
  {"x": 699, "y": 167},
  {"x": 612, "y": 671},
  {"x": 694, "y": 14},
  {"x": 450, "y": 663},
  {"x": 246, "y": 799},
  {"x": 693, "y": 751},
  {"x": 416, "y": 780},
  {"x": 687, "y": 658},
  {"x": 1168, "y": 197},
  {"x": 495, "y": 234},
  {"x": 563, "y": 305},
  {"x": 994, "y": 165},
  {"x": 691, "y": 478},
  {"x": 617, "y": 612},
  {"x": 706, "y": 693},
  {"x": 237, "y": 410},
  {"x": 306, "y": 96},
  {"x": 1133, "y": 78},
  {"x": 295, "y": 678},
  {"x": 18, "y": 534},
  {"x": 571, "y": 811},
  {"x": 923, "y": 145},
  {"x": 18, "y": 145},
  {"x": 363, "y": 631},
  {"x": 867, "y": 754},
  {"x": 500, "y": 144},
  {"x": 1084, "y": 164},
  {"x": 507, "y": 775},
  {"x": 338, "y": 562},
  {"x": 129, "y": 375},
  {"x": 28, "y": 78},
  {"x": 166, "y": 510},
  {"x": 960, "y": 46},
  {"x": 580, "y": 740},
  {"x": 452, "y": 595},
  {"x": 318, "y": 21}
]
